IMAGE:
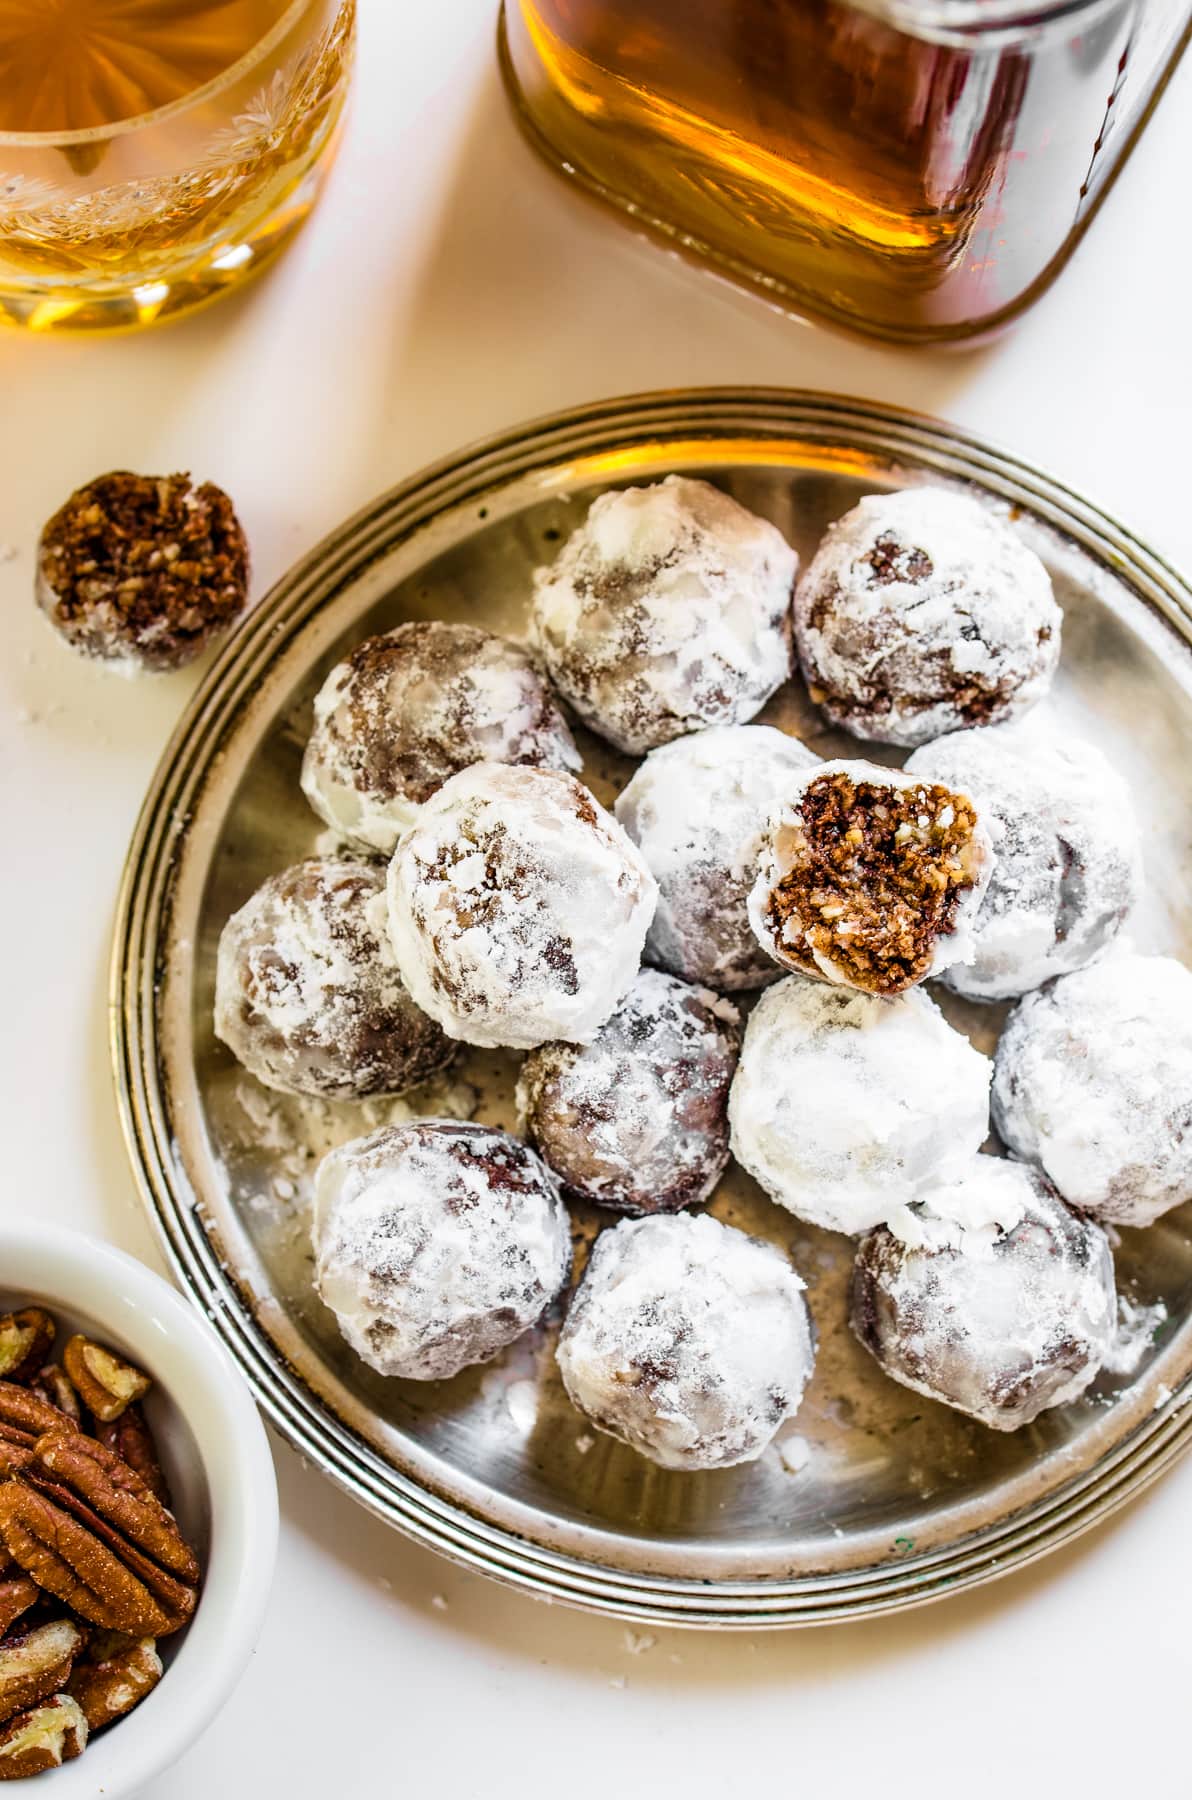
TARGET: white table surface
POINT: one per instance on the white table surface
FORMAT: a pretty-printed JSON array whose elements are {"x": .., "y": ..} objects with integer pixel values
[{"x": 449, "y": 286}]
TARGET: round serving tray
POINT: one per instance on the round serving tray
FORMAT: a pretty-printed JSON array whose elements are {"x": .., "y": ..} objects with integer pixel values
[{"x": 873, "y": 1499}]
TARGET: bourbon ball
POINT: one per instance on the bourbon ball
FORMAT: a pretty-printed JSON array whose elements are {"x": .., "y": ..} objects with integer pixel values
[
  {"x": 307, "y": 990},
  {"x": 436, "y": 1245},
  {"x": 407, "y": 710},
  {"x": 518, "y": 908},
  {"x": 667, "y": 610},
  {"x": 1093, "y": 1084},
  {"x": 143, "y": 572},
  {"x": 1067, "y": 870},
  {"x": 637, "y": 1120},
  {"x": 1000, "y": 1330},
  {"x": 869, "y": 877},
  {"x": 923, "y": 612},
  {"x": 688, "y": 1340},
  {"x": 696, "y": 810},
  {"x": 845, "y": 1106}
]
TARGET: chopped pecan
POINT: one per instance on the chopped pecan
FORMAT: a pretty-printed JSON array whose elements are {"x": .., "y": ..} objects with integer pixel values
[
  {"x": 105, "y": 1382},
  {"x": 25, "y": 1339},
  {"x": 36, "y": 1663},
  {"x": 114, "y": 1675},
  {"x": 17, "y": 1594},
  {"x": 44, "y": 1738},
  {"x": 54, "y": 1385},
  {"x": 90, "y": 1532},
  {"x": 129, "y": 1437}
]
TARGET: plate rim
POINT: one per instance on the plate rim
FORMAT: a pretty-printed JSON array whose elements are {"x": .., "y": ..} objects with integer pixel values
[{"x": 1067, "y": 1510}]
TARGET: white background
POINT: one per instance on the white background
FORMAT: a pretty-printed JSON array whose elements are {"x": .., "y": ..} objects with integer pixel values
[{"x": 449, "y": 286}]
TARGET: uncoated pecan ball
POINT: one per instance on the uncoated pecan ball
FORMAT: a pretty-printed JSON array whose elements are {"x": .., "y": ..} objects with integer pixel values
[{"x": 143, "y": 571}]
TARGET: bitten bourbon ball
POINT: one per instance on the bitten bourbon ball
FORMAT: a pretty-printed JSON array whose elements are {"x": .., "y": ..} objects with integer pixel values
[
  {"x": 922, "y": 613},
  {"x": 143, "y": 571},
  {"x": 436, "y": 1245},
  {"x": 1000, "y": 1331},
  {"x": 407, "y": 710},
  {"x": 668, "y": 610},
  {"x": 637, "y": 1120},
  {"x": 307, "y": 991},
  {"x": 869, "y": 877},
  {"x": 688, "y": 1340}
]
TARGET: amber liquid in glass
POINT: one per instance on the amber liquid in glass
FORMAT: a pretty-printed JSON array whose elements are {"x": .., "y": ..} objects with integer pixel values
[
  {"x": 911, "y": 187},
  {"x": 78, "y": 65},
  {"x": 192, "y": 136}
]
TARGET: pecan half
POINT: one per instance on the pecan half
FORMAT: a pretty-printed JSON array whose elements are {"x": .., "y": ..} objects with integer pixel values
[
  {"x": 88, "y": 1530},
  {"x": 17, "y": 1594},
  {"x": 43, "y": 1739},
  {"x": 54, "y": 1385},
  {"x": 114, "y": 1675},
  {"x": 25, "y": 1417},
  {"x": 129, "y": 1437},
  {"x": 25, "y": 1339},
  {"x": 36, "y": 1663},
  {"x": 105, "y": 1382}
]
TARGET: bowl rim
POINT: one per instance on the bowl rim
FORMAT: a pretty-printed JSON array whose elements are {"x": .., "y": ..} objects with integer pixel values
[{"x": 56, "y": 1266}]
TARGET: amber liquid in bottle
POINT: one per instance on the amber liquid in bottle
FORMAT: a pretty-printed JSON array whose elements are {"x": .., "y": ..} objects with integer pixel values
[
  {"x": 75, "y": 65},
  {"x": 912, "y": 187}
]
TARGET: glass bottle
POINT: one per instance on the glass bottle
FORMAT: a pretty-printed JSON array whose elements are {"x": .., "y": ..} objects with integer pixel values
[{"x": 915, "y": 169}]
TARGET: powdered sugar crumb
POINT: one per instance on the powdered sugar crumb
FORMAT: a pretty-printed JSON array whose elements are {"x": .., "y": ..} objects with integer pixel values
[
  {"x": 521, "y": 1397},
  {"x": 794, "y": 1454},
  {"x": 1136, "y": 1328}
]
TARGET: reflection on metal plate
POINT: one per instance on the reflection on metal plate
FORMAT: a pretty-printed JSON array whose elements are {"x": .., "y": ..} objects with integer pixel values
[{"x": 873, "y": 1498}]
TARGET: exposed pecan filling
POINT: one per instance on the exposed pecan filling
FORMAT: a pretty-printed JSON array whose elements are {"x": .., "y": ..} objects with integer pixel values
[
  {"x": 143, "y": 563},
  {"x": 875, "y": 877}
]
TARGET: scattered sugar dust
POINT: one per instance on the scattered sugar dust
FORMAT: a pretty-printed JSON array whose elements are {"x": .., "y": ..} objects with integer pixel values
[{"x": 1136, "y": 1329}]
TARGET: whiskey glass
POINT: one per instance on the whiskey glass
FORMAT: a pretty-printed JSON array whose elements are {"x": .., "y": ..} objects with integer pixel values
[{"x": 122, "y": 224}]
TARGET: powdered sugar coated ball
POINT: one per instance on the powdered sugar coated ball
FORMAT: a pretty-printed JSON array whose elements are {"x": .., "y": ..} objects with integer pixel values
[
  {"x": 687, "y": 1340},
  {"x": 696, "y": 809},
  {"x": 922, "y": 613},
  {"x": 845, "y": 1106},
  {"x": 406, "y": 710},
  {"x": 667, "y": 610},
  {"x": 436, "y": 1245},
  {"x": 999, "y": 1332},
  {"x": 638, "y": 1118},
  {"x": 869, "y": 877},
  {"x": 1094, "y": 1084},
  {"x": 518, "y": 908},
  {"x": 307, "y": 991},
  {"x": 1067, "y": 870}
]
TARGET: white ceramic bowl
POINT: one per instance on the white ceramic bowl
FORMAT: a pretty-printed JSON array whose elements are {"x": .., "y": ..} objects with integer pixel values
[{"x": 216, "y": 1456}]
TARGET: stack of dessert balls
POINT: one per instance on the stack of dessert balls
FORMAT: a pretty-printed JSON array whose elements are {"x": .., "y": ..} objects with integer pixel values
[{"x": 482, "y": 896}]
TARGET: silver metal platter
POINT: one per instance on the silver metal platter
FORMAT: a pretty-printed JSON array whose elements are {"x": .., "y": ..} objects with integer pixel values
[{"x": 873, "y": 1499}]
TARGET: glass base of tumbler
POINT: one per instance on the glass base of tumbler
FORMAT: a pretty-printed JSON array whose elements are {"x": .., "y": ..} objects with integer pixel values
[{"x": 112, "y": 303}]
